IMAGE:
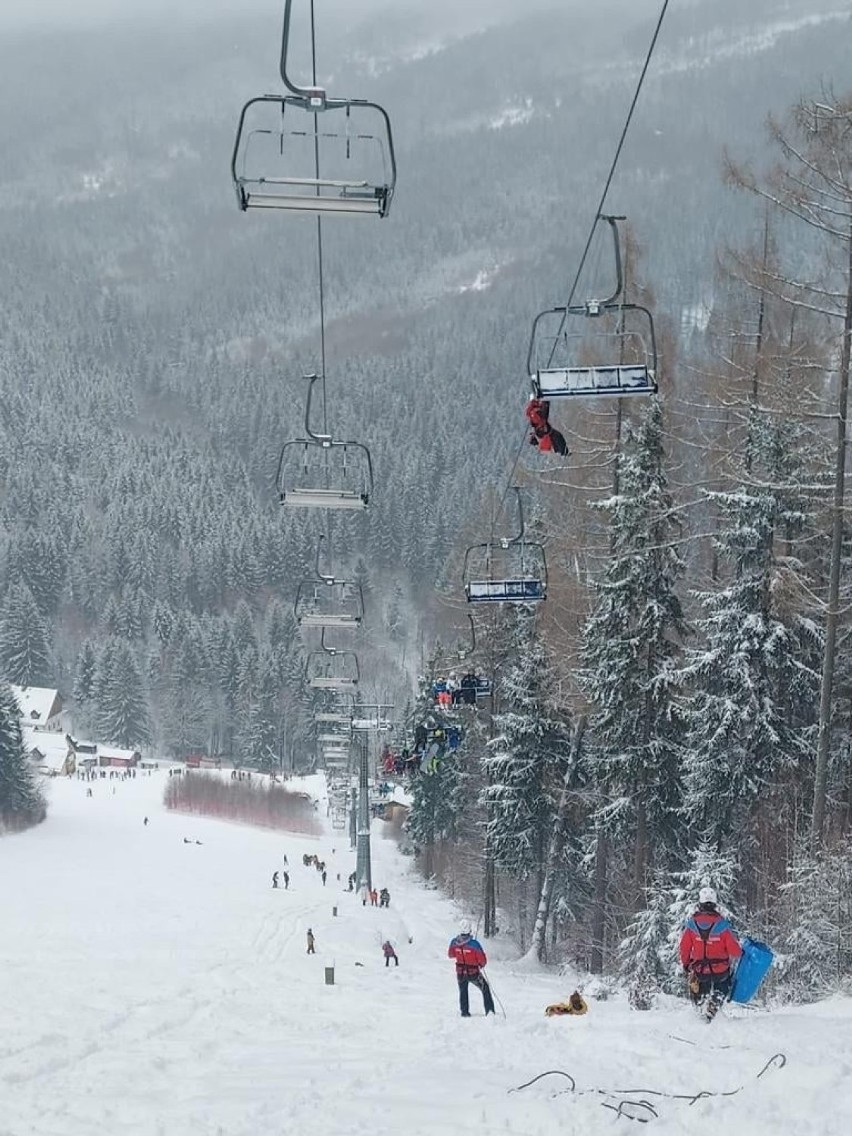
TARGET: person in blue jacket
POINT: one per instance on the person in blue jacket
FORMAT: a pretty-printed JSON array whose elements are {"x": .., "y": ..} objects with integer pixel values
[{"x": 470, "y": 959}]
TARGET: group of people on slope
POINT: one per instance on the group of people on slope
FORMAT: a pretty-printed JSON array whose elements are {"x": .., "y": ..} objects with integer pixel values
[{"x": 709, "y": 951}]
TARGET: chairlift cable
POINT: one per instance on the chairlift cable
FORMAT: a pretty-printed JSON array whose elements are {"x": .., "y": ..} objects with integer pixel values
[
  {"x": 320, "y": 275},
  {"x": 319, "y": 224},
  {"x": 598, "y": 212},
  {"x": 614, "y": 166}
]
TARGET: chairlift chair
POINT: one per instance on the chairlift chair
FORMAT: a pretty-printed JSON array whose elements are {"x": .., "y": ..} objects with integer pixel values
[
  {"x": 333, "y": 719},
  {"x": 601, "y": 348},
  {"x": 621, "y": 336},
  {"x": 284, "y": 142},
  {"x": 328, "y": 602},
  {"x": 508, "y": 570},
  {"x": 321, "y": 472},
  {"x": 332, "y": 669}
]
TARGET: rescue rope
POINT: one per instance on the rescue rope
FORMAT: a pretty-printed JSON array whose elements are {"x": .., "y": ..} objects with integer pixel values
[
  {"x": 549, "y": 1073},
  {"x": 776, "y": 1061}
]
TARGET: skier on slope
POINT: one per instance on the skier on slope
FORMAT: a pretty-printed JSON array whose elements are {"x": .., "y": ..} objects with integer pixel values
[
  {"x": 708, "y": 948},
  {"x": 470, "y": 959}
]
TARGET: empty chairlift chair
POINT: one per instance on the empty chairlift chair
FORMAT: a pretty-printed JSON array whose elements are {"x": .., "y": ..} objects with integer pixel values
[
  {"x": 508, "y": 570},
  {"x": 307, "y": 152},
  {"x": 333, "y": 719},
  {"x": 321, "y": 472},
  {"x": 601, "y": 348},
  {"x": 331, "y": 669},
  {"x": 327, "y": 602}
]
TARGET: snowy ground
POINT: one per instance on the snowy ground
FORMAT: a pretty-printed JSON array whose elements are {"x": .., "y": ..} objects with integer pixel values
[{"x": 152, "y": 987}]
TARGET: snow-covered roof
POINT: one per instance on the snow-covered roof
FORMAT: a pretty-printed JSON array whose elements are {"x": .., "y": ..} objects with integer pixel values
[
  {"x": 110, "y": 752},
  {"x": 49, "y": 747},
  {"x": 400, "y": 797},
  {"x": 37, "y": 703}
]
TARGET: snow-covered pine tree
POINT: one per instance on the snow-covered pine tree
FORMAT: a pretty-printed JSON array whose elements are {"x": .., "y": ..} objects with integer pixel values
[
  {"x": 21, "y": 800},
  {"x": 439, "y": 792},
  {"x": 84, "y": 676},
  {"x": 187, "y": 710},
  {"x": 753, "y": 680},
  {"x": 646, "y": 962},
  {"x": 121, "y": 699},
  {"x": 527, "y": 760},
  {"x": 816, "y": 912},
  {"x": 631, "y": 645},
  {"x": 24, "y": 649}
]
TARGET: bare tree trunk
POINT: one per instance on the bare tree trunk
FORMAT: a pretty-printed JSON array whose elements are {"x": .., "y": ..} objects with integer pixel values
[
  {"x": 833, "y": 613},
  {"x": 555, "y": 846},
  {"x": 522, "y": 913},
  {"x": 489, "y": 899},
  {"x": 599, "y": 907},
  {"x": 640, "y": 851}
]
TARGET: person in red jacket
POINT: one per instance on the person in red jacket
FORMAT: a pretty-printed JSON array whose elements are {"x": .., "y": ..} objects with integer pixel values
[
  {"x": 470, "y": 959},
  {"x": 543, "y": 435},
  {"x": 708, "y": 948}
]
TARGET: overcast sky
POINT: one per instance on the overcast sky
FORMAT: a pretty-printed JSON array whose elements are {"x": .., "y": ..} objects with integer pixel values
[{"x": 55, "y": 12}]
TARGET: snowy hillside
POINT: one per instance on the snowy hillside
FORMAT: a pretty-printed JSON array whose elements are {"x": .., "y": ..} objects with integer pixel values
[{"x": 156, "y": 987}]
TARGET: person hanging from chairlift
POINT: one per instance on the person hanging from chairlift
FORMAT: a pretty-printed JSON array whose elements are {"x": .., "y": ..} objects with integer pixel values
[{"x": 546, "y": 437}]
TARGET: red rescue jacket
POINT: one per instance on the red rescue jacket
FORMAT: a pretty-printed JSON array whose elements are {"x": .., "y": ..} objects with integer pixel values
[
  {"x": 468, "y": 954},
  {"x": 708, "y": 945}
]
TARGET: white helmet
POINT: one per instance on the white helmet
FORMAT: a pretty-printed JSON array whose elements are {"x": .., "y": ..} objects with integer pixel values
[
  {"x": 465, "y": 927},
  {"x": 707, "y": 895}
]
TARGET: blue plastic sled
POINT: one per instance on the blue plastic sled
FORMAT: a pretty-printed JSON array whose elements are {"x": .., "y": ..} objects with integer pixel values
[{"x": 754, "y": 965}]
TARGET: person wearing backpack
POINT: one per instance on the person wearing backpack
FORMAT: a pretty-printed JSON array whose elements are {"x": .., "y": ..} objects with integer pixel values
[{"x": 708, "y": 950}]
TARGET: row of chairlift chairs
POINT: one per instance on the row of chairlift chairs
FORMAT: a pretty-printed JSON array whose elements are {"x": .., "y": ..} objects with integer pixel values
[
  {"x": 282, "y": 143},
  {"x": 600, "y": 348},
  {"x": 563, "y": 361}
]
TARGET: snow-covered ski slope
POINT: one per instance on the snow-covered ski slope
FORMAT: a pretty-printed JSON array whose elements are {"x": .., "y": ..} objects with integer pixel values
[{"x": 149, "y": 986}]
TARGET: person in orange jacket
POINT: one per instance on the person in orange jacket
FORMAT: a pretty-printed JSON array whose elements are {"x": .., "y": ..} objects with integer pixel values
[
  {"x": 708, "y": 950},
  {"x": 470, "y": 959}
]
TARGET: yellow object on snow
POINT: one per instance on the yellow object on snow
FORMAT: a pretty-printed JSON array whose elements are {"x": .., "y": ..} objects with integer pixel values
[{"x": 576, "y": 1005}]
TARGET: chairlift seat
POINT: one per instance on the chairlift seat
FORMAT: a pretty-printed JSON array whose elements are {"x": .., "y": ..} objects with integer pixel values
[
  {"x": 619, "y": 380},
  {"x": 324, "y": 499},
  {"x": 325, "y": 682},
  {"x": 527, "y": 590},
  {"x": 329, "y": 619},
  {"x": 348, "y": 199}
]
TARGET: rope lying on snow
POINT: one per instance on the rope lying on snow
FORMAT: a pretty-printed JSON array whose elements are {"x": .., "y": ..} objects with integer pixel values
[
  {"x": 549, "y": 1073},
  {"x": 776, "y": 1061}
]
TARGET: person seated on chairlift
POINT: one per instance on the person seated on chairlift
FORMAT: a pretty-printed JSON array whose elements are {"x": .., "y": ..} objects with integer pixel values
[{"x": 545, "y": 436}]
